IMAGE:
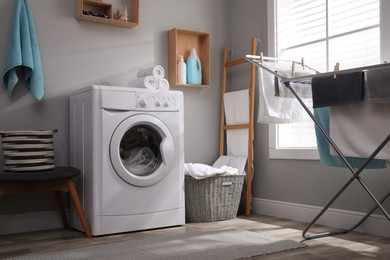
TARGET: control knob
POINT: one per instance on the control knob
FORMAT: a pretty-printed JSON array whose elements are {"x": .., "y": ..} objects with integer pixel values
[{"x": 143, "y": 103}]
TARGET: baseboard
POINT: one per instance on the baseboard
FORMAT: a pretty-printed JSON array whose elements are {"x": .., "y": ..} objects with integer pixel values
[
  {"x": 375, "y": 224},
  {"x": 30, "y": 221}
]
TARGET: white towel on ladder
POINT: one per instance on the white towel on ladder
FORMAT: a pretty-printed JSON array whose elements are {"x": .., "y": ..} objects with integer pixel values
[{"x": 236, "y": 106}]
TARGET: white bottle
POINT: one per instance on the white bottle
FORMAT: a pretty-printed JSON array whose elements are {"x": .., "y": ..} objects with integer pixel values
[{"x": 181, "y": 71}]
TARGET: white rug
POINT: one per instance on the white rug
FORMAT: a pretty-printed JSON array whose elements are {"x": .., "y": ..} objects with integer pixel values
[{"x": 216, "y": 244}]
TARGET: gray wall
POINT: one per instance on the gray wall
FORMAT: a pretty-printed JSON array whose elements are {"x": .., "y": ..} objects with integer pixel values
[
  {"x": 76, "y": 54},
  {"x": 295, "y": 181}
]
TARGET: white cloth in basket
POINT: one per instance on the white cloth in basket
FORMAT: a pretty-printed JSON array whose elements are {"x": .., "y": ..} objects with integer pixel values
[
  {"x": 200, "y": 171},
  {"x": 231, "y": 161}
]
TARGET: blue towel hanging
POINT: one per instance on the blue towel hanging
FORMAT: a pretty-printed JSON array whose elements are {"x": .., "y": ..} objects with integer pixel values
[
  {"x": 322, "y": 115},
  {"x": 23, "y": 56}
]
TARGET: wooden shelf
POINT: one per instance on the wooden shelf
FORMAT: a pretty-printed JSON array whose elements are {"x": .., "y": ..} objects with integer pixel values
[
  {"x": 105, "y": 7},
  {"x": 180, "y": 43}
]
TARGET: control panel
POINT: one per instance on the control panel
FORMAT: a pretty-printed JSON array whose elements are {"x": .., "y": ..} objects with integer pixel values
[{"x": 156, "y": 101}]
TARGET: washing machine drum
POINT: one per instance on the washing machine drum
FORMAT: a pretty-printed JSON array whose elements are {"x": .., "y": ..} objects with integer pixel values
[{"x": 142, "y": 150}]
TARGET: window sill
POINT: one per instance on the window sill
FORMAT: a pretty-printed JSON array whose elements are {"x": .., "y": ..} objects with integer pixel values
[{"x": 294, "y": 154}]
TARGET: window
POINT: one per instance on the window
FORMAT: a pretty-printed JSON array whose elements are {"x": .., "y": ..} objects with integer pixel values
[{"x": 324, "y": 32}]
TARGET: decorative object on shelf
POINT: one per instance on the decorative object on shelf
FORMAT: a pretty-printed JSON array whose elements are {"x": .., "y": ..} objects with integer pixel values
[
  {"x": 121, "y": 14},
  {"x": 181, "y": 71},
  {"x": 180, "y": 43},
  {"x": 89, "y": 12},
  {"x": 194, "y": 68},
  {"x": 86, "y": 10}
]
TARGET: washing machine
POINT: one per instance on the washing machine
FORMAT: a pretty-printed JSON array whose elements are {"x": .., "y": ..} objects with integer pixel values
[{"x": 129, "y": 145}]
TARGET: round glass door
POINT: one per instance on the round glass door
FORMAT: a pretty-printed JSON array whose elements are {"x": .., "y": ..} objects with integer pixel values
[{"x": 141, "y": 150}]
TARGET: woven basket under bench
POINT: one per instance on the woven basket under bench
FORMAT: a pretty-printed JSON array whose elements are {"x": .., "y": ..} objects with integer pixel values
[{"x": 212, "y": 199}]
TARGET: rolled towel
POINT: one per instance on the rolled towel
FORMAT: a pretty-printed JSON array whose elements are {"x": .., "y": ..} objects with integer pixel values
[
  {"x": 163, "y": 84},
  {"x": 156, "y": 71},
  {"x": 148, "y": 82}
]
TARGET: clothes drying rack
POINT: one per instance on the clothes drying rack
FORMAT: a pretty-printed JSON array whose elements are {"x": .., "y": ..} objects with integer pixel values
[{"x": 260, "y": 62}]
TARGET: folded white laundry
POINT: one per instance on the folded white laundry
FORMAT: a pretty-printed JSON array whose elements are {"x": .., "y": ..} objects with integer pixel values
[
  {"x": 156, "y": 71},
  {"x": 149, "y": 82},
  {"x": 163, "y": 84},
  {"x": 200, "y": 171},
  {"x": 231, "y": 161}
]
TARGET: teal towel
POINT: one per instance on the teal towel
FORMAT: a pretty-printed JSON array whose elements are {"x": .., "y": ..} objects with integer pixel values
[
  {"x": 322, "y": 115},
  {"x": 23, "y": 57}
]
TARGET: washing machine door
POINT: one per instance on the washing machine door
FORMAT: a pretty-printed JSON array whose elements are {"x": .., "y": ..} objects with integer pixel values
[{"x": 142, "y": 150}]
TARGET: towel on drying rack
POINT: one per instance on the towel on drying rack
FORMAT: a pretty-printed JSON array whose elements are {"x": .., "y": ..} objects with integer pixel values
[
  {"x": 23, "y": 56},
  {"x": 323, "y": 117},
  {"x": 344, "y": 89},
  {"x": 278, "y": 110},
  {"x": 302, "y": 88},
  {"x": 377, "y": 83},
  {"x": 360, "y": 128}
]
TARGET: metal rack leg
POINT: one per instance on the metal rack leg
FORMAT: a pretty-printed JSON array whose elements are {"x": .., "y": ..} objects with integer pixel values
[
  {"x": 346, "y": 185},
  {"x": 372, "y": 211},
  {"x": 354, "y": 176}
]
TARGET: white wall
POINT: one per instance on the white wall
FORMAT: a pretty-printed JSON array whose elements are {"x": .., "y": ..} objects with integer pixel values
[{"x": 76, "y": 54}]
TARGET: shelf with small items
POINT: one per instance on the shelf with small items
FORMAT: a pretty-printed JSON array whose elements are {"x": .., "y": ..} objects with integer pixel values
[
  {"x": 181, "y": 42},
  {"x": 102, "y": 12}
]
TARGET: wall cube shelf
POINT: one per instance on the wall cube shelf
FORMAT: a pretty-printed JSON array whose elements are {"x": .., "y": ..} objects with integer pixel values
[{"x": 180, "y": 43}]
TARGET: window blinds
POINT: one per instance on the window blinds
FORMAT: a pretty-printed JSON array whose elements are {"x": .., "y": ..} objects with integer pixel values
[{"x": 325, "y": 32}]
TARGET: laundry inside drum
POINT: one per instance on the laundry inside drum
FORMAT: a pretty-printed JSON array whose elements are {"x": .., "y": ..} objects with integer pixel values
[{"x": 140, "y": 150}]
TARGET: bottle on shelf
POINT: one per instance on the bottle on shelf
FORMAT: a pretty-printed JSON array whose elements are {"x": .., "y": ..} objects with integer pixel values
[
  {"x": 194, "y": 68},
  {"x": 181, "y": 71}
]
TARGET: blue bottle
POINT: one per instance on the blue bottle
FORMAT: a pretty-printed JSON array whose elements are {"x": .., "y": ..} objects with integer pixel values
[{"x": 194, "y": 68}]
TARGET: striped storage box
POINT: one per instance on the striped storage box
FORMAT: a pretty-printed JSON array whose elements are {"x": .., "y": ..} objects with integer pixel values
[{"x": 28, "y": 150}]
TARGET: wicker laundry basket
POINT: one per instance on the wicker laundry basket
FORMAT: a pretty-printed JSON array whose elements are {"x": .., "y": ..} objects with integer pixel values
[
  {"x": 28, "y": 151},
  {"x": 212, "y": 199}
]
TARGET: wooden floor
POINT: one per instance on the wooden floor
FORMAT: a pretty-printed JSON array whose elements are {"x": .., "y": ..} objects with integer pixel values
[{"x": 350, "y": 246}]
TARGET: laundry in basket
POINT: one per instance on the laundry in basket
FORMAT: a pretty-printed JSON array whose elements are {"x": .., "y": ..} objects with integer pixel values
[{"x": 212, "y": 193}]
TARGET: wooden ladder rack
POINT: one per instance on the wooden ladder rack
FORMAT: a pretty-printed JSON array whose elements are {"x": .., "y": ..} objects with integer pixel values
[{"x": 250, "y": 126}]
